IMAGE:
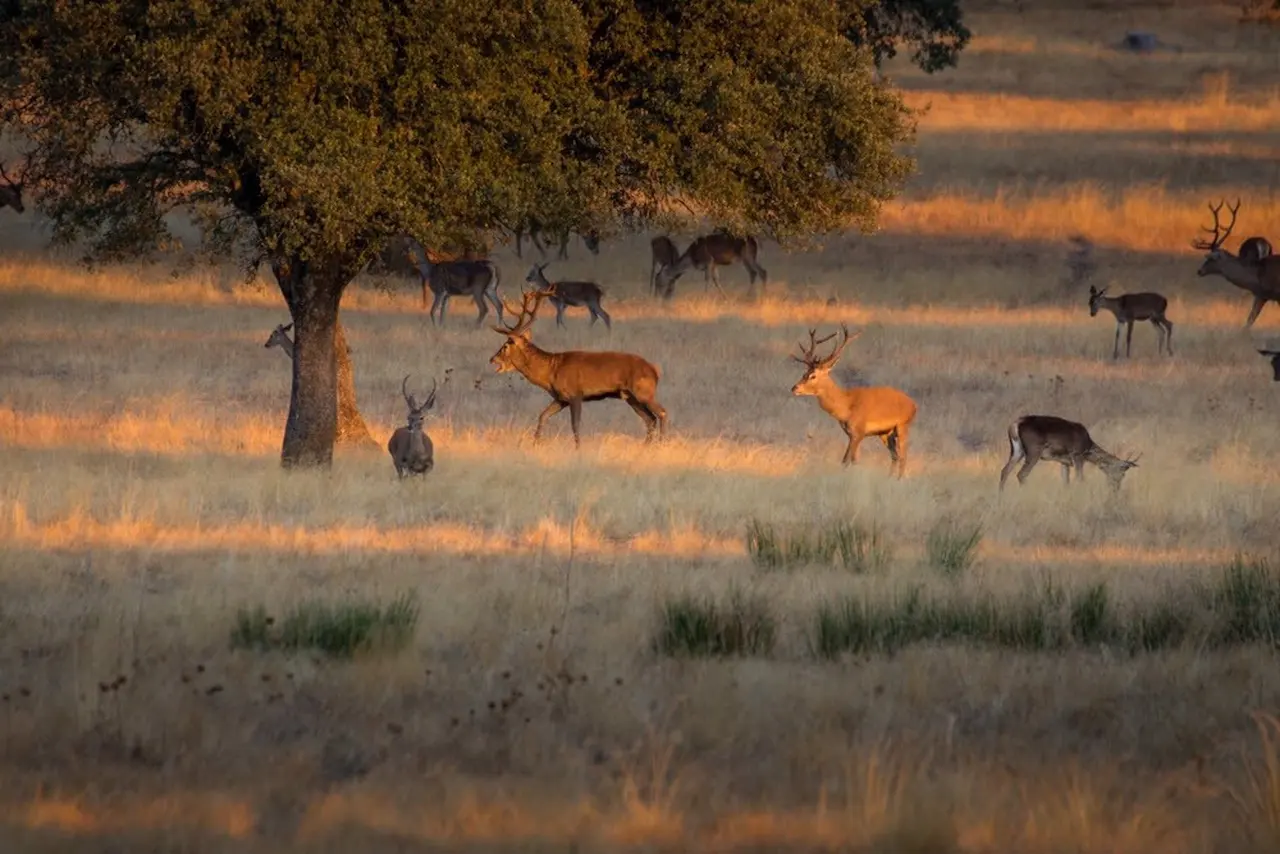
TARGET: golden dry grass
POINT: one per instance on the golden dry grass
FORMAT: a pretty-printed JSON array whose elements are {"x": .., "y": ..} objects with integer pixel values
[{"x": 141, "y": 506}]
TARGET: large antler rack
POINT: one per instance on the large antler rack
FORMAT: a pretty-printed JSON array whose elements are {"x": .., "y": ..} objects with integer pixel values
[
  {"x": 530, "y": 300},
  {"x": 1219, "y": 235},
  {"x": 809, "y": 360}
]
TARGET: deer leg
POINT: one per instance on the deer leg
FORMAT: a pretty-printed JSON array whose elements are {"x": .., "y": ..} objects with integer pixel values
[
  {"x": 559, "y": 312},
  {"x": 1115, "y": 351},
  {"x": 575, "y": 419},
  {"x": 1128, "y": 341},
  {"x": 855, "y": 439},
  {"x": 1168, "y": 336},
  {"x": 492, "y": 295},
  {"x": 716, "y": 279},
  {"x": 519, "y": 252},
  {"x": 604, "y": 315},
  {"x": 1029, "y": 462},
  {"x": 898, "y": 449},
  {"x": 564, "y": 247},
  {"x": 650, "y": 420},
  {"x": 542, "y": 250},
  {"x": 437, "y": 305},
  {"x": 478, "y": 296},
  {"x": 1079, "y": 461},
  {"x": 1066, "y": 472},
  {"x": 552, "y": 408},
  {"x": 1258, "y": 303},
  {"x": 1015, "y": 454}
]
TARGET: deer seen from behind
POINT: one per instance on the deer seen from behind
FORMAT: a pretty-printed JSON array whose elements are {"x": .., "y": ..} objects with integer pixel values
[
  {"x": 569, "y": 293},
  {"x": 1259, "y": 277},
  {"x": 576, "y": 376},
  {"x": 708, "y": 252},
  {"x": 1129, "y": 308},
  {"x": 877, "y": 411},
  {"x": 1047, "y": 437},
  {"x": 444, "y": 279},
  {"x": 410, "y": 447},
  {"x": 664, "y": 253}
]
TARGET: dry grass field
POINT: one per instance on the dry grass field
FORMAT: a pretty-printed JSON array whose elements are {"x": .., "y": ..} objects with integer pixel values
[{"x": 142, "y": 509}]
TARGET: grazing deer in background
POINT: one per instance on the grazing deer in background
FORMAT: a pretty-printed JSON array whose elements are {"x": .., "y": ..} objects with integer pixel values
[
  {"x": 575, "y": 376},
  {"x": 1260, "y": 278},
  {"x": 410, "y": 448},
  {"x": 664, "y": 254},
  {"x": 576, "y": 294},
  {"x": 479, "y": 279},
  {"x": 706, "y": 253},
  {"x": 1274, "y": 356},
  {"x": 1036, "y": 437},
  {"x": 878, "y": 411},
  {"x": 590, "y": 239},
  {"x": 11, "y": 191},
  {"x": 1132, "y": 307}
]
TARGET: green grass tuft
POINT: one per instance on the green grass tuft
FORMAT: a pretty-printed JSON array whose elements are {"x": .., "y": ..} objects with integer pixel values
[
  {"x": 842, "y": 543},
  {"x": 701, "y": 627},
  {"x": 340, "y": 629},
  {"x": 952, "y": 548}
]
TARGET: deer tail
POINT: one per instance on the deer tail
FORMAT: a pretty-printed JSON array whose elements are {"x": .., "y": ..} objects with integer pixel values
[{"x": 1015, "y": 441}]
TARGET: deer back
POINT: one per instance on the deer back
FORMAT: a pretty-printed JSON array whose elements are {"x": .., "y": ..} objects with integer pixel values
[
  {"x": 576, "y": 293},
  {"x": 1142, "y": 306},
  {"x": 875, "y": 406},
  {"x": 1053, "y": 435},
  {"x": 664, "y": 249},
  {"x": 579, "y": 373},
  {"x": 462, "y": 277}
]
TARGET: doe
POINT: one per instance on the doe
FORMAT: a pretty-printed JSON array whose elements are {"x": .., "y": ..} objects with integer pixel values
[
  {"x": 1048, "y": 437},
  {"x": 576, "y": 294},
  {"x": 1132, "y": 307}
]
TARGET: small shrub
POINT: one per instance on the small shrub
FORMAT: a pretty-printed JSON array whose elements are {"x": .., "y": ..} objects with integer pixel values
[
  {"x": 952, "y": 549},
  {"x": 702, "y": 627},
  {"x": 337, "y": 629},
  {"x": 1162, "y": 625},
  {"x": 1246, "y": 604},
  {"x": 847, "y": 544},
  {"x": 1091, "y": 621}
]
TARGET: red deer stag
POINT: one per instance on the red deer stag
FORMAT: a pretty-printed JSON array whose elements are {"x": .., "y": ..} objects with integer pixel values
[
  {"x": 444, "y": 279},
  {"x": 1260, "y": 278},
  {"x": 708, "y": 252},
  {"x": 11, "y": 191},
  {"x": 1132, "y": 307},
  {"x": 572, "y": 293},
  {"x": 878, "y": 411},
  {"x": 664, "y": 254},
  {"x": 410, "y": 447},
  {"x": 575, "y": 376},
  {"x": 1036, "y": 437}
]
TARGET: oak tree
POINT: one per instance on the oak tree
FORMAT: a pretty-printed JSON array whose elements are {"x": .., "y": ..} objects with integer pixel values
[{"x": 307, "y": 133}]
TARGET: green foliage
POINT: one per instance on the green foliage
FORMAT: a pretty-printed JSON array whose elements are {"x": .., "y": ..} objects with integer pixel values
[
  {"x": 934, "y": 29},
  {"x": 1246, "y": 602},
  {"x": 952, "y": 548},
  {"x": 337, "y": 629},
  {"x": 702, "y": 627},
  {"x": 843, "y": 543}
]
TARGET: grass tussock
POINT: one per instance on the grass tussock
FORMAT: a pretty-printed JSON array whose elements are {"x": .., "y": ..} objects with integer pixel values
[
  {"x": 952, "y": 547},
  {"x": 702, "y": 627},
  {"x": 340, "y": 629},
  {"x": 1241, "y": 607},
  {"x": 841, "y": 543}
]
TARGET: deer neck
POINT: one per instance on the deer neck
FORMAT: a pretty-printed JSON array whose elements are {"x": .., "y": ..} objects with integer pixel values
[
  {"x": 1112, "y": 304},
  {"x": 1237, "y": 272},
  {"x": 537, "y": 365},
  {"x": 832, "y": 397},
  {"x": 1102, "y": 459},
  {"x": 286, "y": 346}
]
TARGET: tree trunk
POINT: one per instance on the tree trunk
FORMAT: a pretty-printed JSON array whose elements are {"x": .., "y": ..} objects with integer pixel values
[
  {"x": 351, "y": 427},
  {"x": 313, "y": 291}
]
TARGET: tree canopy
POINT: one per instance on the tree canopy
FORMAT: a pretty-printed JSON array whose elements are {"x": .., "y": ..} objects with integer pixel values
[{"x": 306, "y": 133}]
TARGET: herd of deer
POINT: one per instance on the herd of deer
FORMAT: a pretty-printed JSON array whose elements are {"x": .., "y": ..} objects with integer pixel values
[{"x": 574, "y": 377}]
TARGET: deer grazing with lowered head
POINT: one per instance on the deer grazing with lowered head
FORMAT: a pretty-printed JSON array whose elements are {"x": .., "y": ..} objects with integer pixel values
[
  {"x": 1048, "y": 437},
  {"x": 576, "y": 376},
  {"x": 1128, "y": 308},
  {"x": 11, "y": 191},
  {"x": 410, "y": 447},
  {"x": 444, "y": 279},
  {"x": 877, "y": 411},
  {"x": 1259, "y": 277},
  {"x": 590, "y": 239},
  {"x": 708, "y": 252},
  {"x": 566, "y": 293},
  {"x": 664, "y": 253}
]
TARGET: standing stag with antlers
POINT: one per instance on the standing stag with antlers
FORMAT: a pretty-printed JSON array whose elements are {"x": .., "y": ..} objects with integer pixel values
[
  {"x": 575, "y": 376},
  {"x": 878, "y": 411},
  {"x": 410, "y": 447},
  {"x": 1259, "y": 277}
]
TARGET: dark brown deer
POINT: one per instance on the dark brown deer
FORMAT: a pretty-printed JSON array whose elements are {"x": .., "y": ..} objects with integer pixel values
[
  {"x": 879, "y": 411},
  {"x": 1260, "y": 278},
  {"x": 590, "y": 239},
  {"x": 478, "y": 279},
  {"x": 1129, "y": 308},
  {"x": 11, "y": 191},
  {"x": 566, "y": 293},
  {"x": 410, "y": 447},
  {"x": 1274, "y": 357},
  {"x": 1254, "y": 249},
  {"x": 1047, "y": 437},
  {"x": 708, "y": 252},
  {"x": 575, "y": 376},
  {"x": 664, "y": 254}
]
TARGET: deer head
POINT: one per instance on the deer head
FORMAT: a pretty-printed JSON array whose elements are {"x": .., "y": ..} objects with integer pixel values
[
  {"x": 1212, "y": 261},
  {"x": 536, "y": 276},
  {"x": 1116, "y": 468},
  {"x": 280, "y": 338},
  {"x": 417, "y": 414},
  {"x": 11, "y": 193},
  {"x": 518, "y": 335},
  {"x": 818, "y": 368},
  {"x": 1095, "y": 300}
]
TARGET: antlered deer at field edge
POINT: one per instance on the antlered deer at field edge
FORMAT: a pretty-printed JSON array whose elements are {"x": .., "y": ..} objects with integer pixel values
[
  {"x": 1048, "y": 437},
  {"x": 877, "y": 411},
  {"x": 1259, "y": 277},
  {"x": 411, "y": 449},
  {"x": 575, "y": 376}
]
